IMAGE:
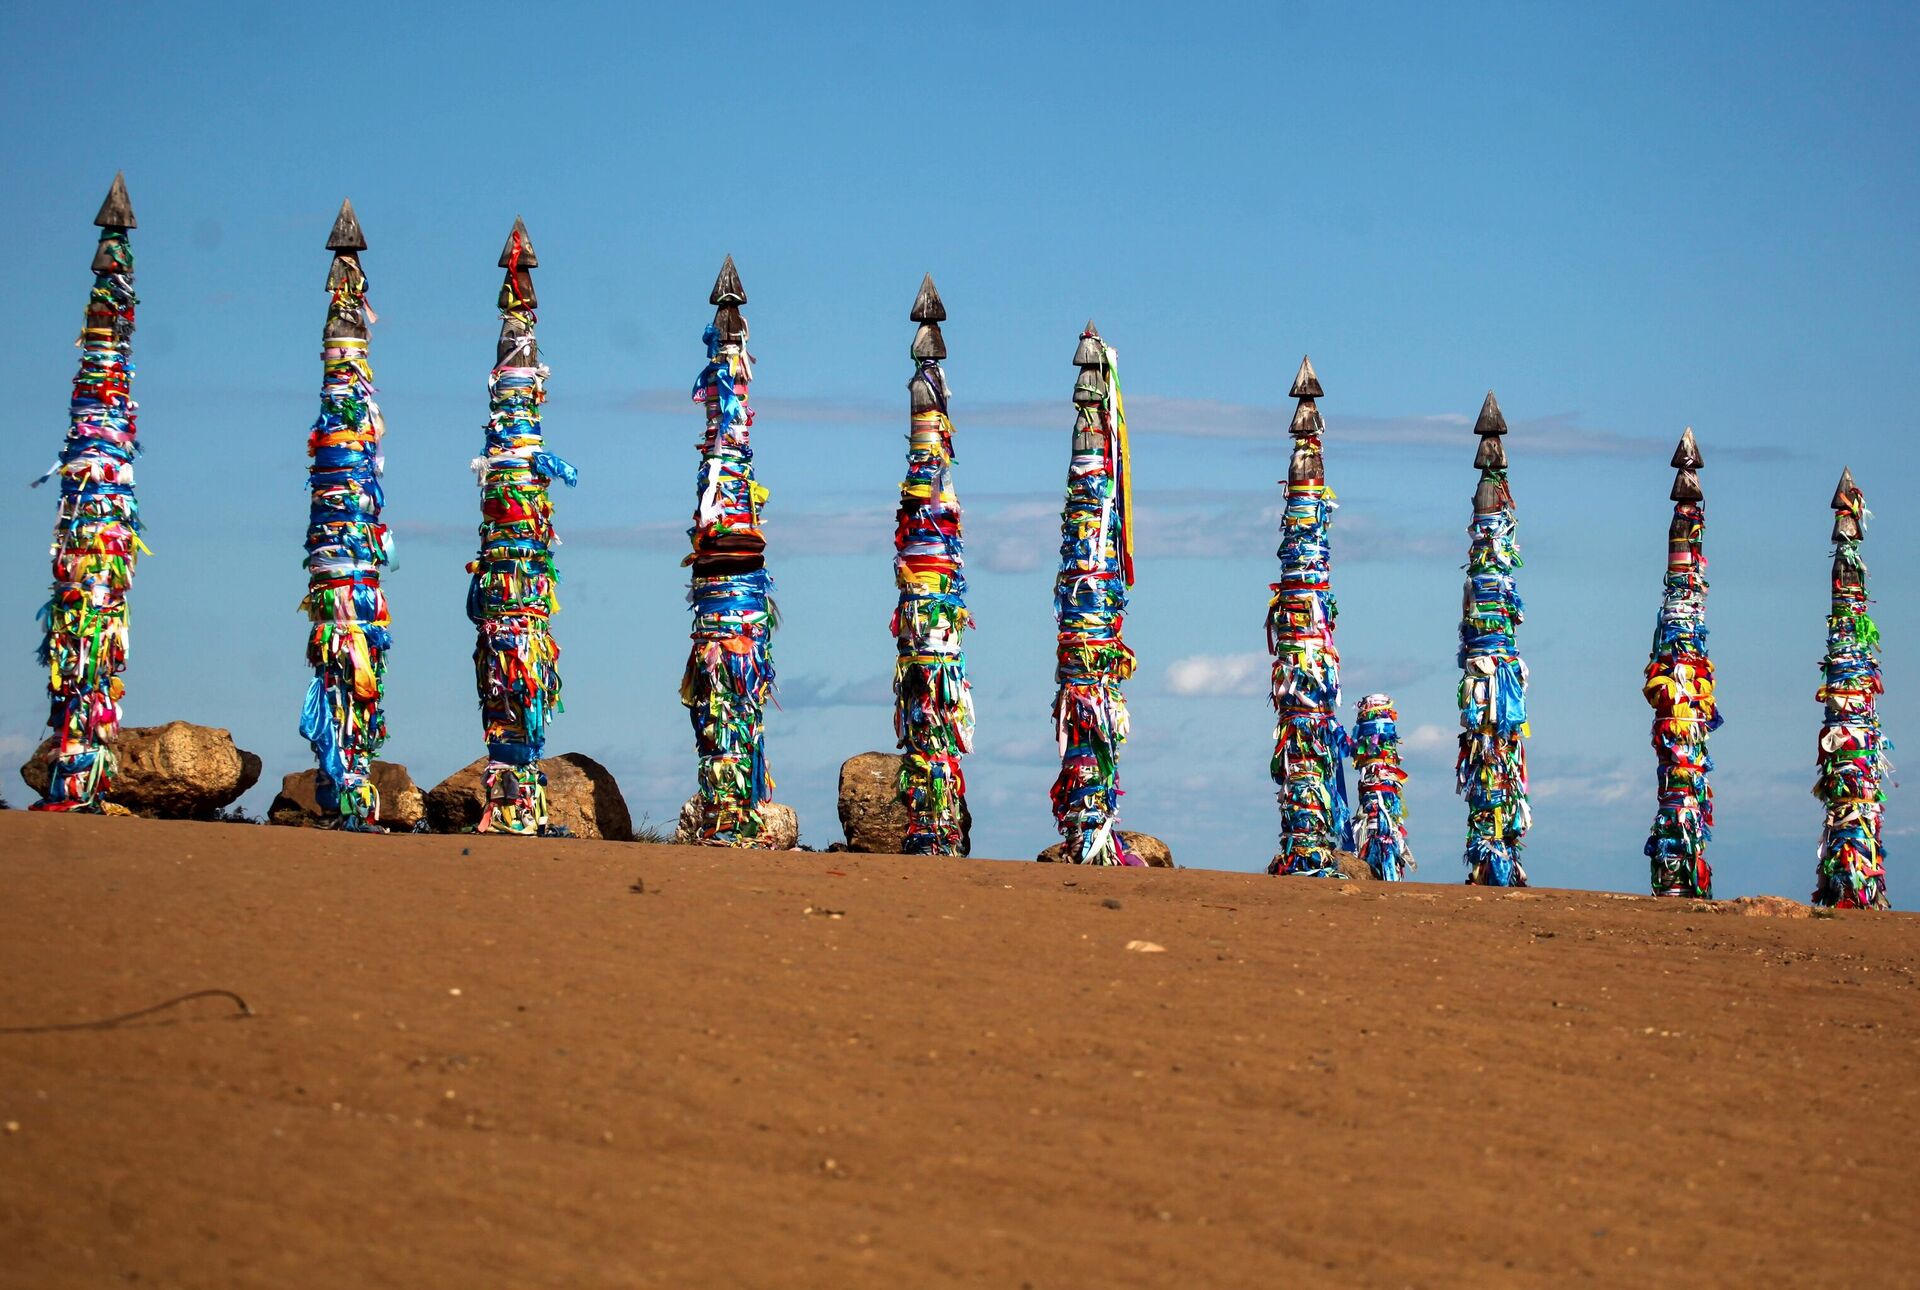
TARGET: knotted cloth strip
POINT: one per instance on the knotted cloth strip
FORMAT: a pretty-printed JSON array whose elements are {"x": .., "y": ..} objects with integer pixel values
[
  {"x": 1852, "y": 751},
  {"x": 96, "y": 535},
  {"x": 1090, "y": 602}
]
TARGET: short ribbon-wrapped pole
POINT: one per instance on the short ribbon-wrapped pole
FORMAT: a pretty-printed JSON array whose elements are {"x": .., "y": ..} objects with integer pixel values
[
  {"x": 1380, "y": 826},
  {"x": 1309, "y": 746},
  {"x": 514, "y": 591},
  {"x": 729, "y": 675},
  {"x": 1492, "y": 768},
  {"x": 1679, "y": 688},
  {"x": 1853, "y": 751},
  {"x": 933, "y": 702},
  {"x": 96, "y": 537},
  {"x": 347, "y": 547},
  {"x": 1090, "y": 604}
]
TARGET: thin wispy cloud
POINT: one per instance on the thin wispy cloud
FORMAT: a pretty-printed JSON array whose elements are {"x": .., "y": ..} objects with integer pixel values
[{"x": 1557, "y": 434}]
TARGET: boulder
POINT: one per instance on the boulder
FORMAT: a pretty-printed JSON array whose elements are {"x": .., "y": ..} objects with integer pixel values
[
  {"x": 1352, "y": 867},
  {"x": 178, "y": 771},
  {"x": 402, "y": 805},
  {"x": 582, "y": 796},
  {"x": 871, "y": 815},
  {"x": 1156, "y": 853},
  {"x": 779, "y": 827}
]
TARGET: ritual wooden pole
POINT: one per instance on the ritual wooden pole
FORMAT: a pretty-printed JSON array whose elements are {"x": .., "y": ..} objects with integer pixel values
[
  {"x": 933, "y": 702},
  {"x": 729, "y": 676},
  {"x": 514, "y": 591},
  {"x": 1309, "y": 745},
  {"x": 1090, "y": 602},
  {"x": 96, "y": 536},
  {"x": 1492, "y": 768},
  {"x": 1852, "y": 753},
  {"x": 347, "y": 547},
  {"x": 1679, "y": 688}
]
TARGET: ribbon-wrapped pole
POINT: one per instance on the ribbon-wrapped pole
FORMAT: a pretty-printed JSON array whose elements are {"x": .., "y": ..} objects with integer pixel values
[
  {"x": 514, "y": 591},
  {"x": 1090, "y": 604},
  {"x": 347, "y": 546},
  {"x": 933, "y": 703},
  {"x": 1492, "y": 768},
  {"x": 1680, "y": 690},
  {"x": 1309, "y": 747},
  {"x": 1380, "y": 826},
  {"x": 96, "y": 536},
  {"x": 1853, "y": 751},
  {"x": 729, "y": 675}
]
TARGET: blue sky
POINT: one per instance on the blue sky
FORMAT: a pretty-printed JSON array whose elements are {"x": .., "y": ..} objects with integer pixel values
[{"x": 1624, "y": 220}]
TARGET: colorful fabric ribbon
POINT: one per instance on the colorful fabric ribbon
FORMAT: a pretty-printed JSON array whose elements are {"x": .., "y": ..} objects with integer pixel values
[
  {"x": 1380, "y": 825},
  {"x": 96, "y": 542},
  {"x": 514, "y": 590},
  {"x": 1491, "y": 772},
  {"x": 1679, "y": 688},
  {"x": 347, "y": 546},
  {"x": 1852, "y": 752},
  {"x": 933, "y": 701},
  {"x": 1090, "y": 602},
  {"x": 1310, "y": 747},
  {"x": 729, "y": 676}
]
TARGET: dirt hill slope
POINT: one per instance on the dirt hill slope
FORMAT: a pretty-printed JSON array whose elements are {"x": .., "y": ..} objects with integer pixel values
[{"x": 592, "y": 1064}]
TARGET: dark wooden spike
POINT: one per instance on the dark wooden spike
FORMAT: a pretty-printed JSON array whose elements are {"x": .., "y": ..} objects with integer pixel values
[
  {"x": 922, "y": 392},
  {"x": 117, "y": 210},
  {"x": 1687, "y": 455},
  {"x": 1491, "y": 420},
  {"x": 1091, "y": 351},
  {"x": 728, "y": 322},
  {"x": 1492, "y": 453},
  {"x": 346, "y": 235},
  {"x": 518, "y": 287},
  {"x": 1845, "y": 528},
  {"x": 928, "y": 342},
  {"x": 726, "y": 288},
  {"x": 528, "y": 260},
  {"x": 1686, "y": 487},
  {"x": 1486, "y": 498},
  {"x": 1306, "y": 420},
  {"x": 1306, "y": 385},
  {"x": 1847, "y": 487},
  {"x": 926, "y": 306},
  {"x": 103, "y": 261},
  {"x": 1306, "y": 463},
  {"x": 1090, "y": 391}
]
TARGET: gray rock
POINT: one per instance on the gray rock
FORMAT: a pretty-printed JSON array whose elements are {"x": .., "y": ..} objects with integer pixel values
[
  {"x": 871, "y": 815},
  {"x": 779, "y": 827},
  {"x": 1156, "y": 853},
  {"x": 402, "y": 804},
  {"x": 178, "y": 771},
  {"x": 582, "y": 796}
]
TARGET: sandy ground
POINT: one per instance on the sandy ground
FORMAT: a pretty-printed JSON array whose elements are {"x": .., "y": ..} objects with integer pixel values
[{"x": 591, "y": 1064}]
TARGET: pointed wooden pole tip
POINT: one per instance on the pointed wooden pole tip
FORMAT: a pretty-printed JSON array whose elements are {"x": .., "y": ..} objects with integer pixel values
[
  {"x": 528, "y": 260},
  {"x": 1492, "y": 420},
  {"x": 927, "y": 307},
  {"x": 1686, "y": 456},
  {"x": 1089, "y": 353},
  {"x": 1306, "y": 384},
  {"x": 1842, "y": 494},
  {"x": 117, "y": 210},
  {"x": 346, "y": 235},
  {"x": 1686, "y": 487},
  {"x": 726, "y": 288}
]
